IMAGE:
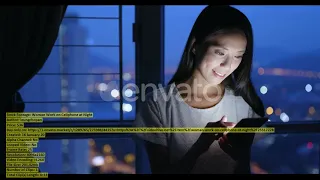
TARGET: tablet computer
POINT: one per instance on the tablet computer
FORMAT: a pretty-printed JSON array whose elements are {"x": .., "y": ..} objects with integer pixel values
[
  {"x": 240, "y": 139},
  {"x": 251, "y": 123}
]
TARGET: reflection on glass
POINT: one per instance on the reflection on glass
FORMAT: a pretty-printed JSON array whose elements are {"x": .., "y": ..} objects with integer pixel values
[
  {"x": 101, "y": 111},
  {"x": 88, "y": 156},
  {"x": 275, "y": 154},
  {"x": 82, "y": 60},
  {"x": 80, "y": 88},
  {"x": 83, "y": 67},
  {"x": 94, "y": 31},
  {"x": 286, "y": 154},
  {"x": 117, "y": 157}
]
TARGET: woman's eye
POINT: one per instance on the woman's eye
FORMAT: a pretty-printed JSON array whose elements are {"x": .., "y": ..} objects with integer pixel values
[
  {"x": 219, "y": 53},
  {"x": 238, "y": 57}
]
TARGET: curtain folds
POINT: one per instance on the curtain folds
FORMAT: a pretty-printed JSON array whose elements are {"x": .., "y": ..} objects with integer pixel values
[{"x": 27, "y": 35}]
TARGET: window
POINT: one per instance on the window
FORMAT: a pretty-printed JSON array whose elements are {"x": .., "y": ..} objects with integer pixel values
[
  {"x": 285, "y": 70},
  {"x": 83, "y": 74},
  {"x": 83, "y": 70}
]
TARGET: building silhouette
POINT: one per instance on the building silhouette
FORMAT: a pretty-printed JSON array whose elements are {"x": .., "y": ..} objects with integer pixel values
[
  {"x": 74, "y": 68},
  {"x": 63, "y": 78}
]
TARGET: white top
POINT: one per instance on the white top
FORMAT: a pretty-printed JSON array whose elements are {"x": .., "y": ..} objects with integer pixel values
[{"x": 165, "y": 108}]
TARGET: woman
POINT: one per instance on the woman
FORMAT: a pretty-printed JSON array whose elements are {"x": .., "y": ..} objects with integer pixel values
[{"x": 211, "y": 87}]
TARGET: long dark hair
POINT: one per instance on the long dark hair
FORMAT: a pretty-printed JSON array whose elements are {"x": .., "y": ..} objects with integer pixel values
[{"x": 219, "y": 19}]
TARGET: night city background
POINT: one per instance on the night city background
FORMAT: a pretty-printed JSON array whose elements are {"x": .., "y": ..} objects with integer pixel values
[{"x": 286, "y": 74}]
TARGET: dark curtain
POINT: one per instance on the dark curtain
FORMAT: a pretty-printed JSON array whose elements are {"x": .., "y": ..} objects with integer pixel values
[{"x": 27, "y": 35}]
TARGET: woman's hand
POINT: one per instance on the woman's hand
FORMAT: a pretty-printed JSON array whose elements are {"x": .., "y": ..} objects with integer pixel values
[
  {"x": 238, "y": 147},
  {"x": 227, "y": 147},
  {"x": 206, "y": 139}
]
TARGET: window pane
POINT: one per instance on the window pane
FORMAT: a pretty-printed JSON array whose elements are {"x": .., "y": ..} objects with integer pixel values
[
  {"x": 77, "y": 31},
  {"x": 82, "y": 60},
  {"x": 92, "y": 11},
  {"x": 287, "y": 154},
  {"x": 101, "y": 111},
  {"x": 128, "y": 55},
  {"x": 275, "y": 154},
  {"x": 76, "y": 54},
  {"x": 88, "y": 156},
  {"x": 57, "y": 87},
  {"x": 285, "y": 76}
]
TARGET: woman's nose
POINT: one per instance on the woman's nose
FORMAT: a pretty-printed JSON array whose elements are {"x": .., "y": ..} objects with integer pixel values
[{"x": 226, "y": 64}]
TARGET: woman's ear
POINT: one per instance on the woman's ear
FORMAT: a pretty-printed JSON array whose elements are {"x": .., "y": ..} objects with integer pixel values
[{"x": 193, "y": 45}]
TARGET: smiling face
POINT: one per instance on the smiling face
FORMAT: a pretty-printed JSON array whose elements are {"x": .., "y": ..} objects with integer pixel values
[{"x": 222, "y": 57}]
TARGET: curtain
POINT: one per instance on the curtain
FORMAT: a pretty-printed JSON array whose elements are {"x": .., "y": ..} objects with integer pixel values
[{"x": 27, "y": 36}]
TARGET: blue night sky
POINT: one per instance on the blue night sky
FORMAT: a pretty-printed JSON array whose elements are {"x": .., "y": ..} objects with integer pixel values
[{"x": 284, "y": 30}]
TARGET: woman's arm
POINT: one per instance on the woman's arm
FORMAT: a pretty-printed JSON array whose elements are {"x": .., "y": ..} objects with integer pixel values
[
  {"x": 157, "y": 145},
  {"x": 159, "y": 156}
]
